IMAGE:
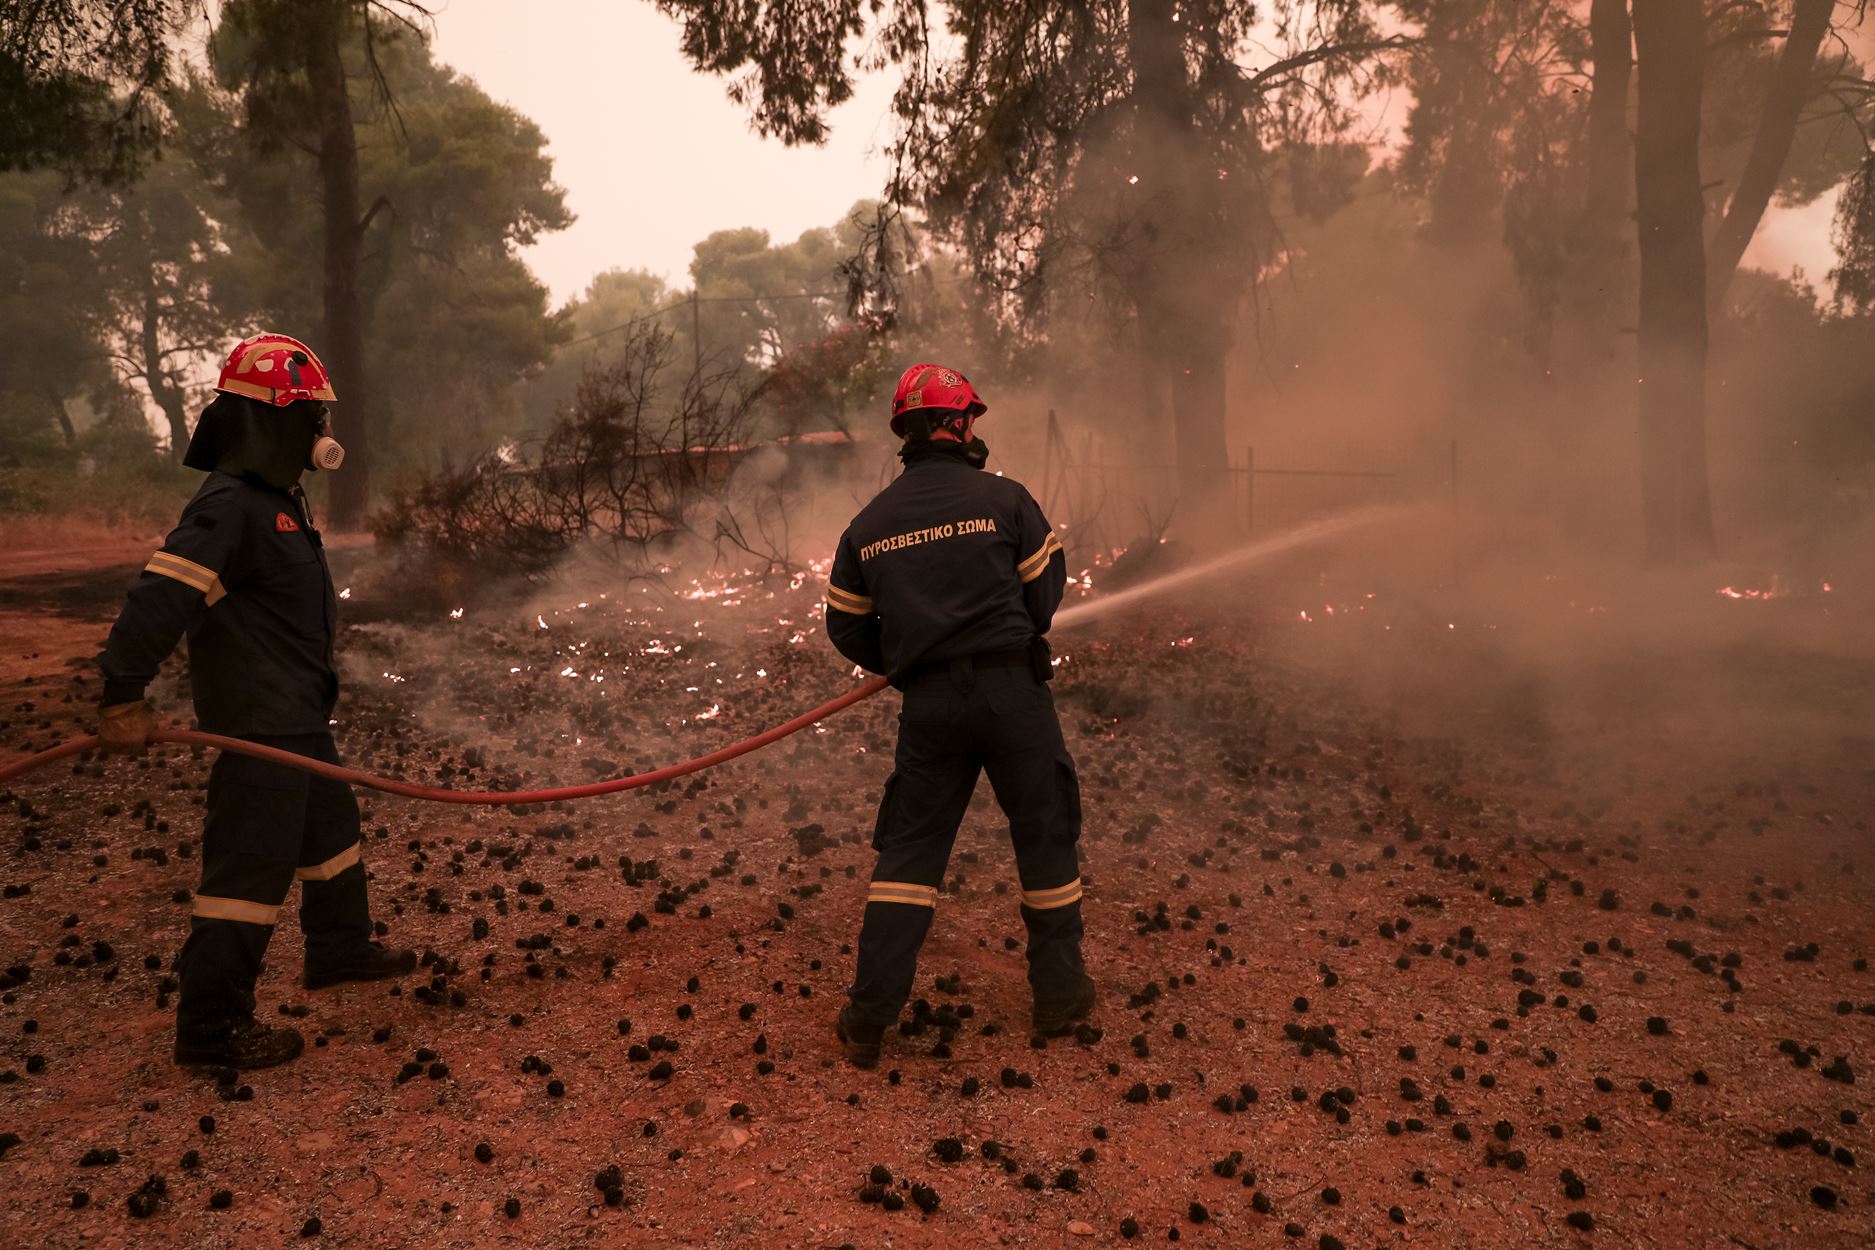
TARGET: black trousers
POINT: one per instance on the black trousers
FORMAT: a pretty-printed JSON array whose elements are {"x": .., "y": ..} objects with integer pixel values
[
  {"x": 266, "y": 825},
  {"x": 954, "y": 725}
]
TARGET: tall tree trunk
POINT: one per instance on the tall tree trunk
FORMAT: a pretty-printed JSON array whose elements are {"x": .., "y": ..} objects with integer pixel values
[
  {"x": 56, "y": 402},
  {"x": 1187, "y": 323},
  {"x": 1790, "y": 87},
  {"x": 1598, "y": 277},
  {"x": 1466, "y": 186},
  {"x": 167, "y": 394},
  {"x": 1198, "y": 397},
  {"x": 1609, "y": 171},
  {"x": 344, "y": 345},
  {"x": 1676, "y": 506},
  {"x": 1593, "y": 375},
  {"x": 1197, "y": 371}
]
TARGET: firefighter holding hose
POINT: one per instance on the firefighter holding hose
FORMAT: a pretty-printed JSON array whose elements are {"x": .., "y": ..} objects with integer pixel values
[
  {"x": 946, "y": 583},
  {"x": 244, "y": 576}
]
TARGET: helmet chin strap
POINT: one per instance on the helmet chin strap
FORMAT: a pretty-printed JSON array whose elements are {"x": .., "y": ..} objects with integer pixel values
[
  {"x": 956, "y": 427},
  {"x": 949, "y": 432}
]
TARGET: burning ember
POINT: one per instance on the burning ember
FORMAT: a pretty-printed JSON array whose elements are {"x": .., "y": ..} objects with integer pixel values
[{"x": 1780, "y": 588}]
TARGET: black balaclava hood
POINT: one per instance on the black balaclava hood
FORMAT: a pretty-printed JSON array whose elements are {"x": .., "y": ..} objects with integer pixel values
[
  {"x": 919, "y": 444},
  {"x": 239, "y": 435}
]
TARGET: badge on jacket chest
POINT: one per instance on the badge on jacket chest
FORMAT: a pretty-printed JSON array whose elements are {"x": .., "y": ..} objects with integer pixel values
[{"x": 285, "y": 524}]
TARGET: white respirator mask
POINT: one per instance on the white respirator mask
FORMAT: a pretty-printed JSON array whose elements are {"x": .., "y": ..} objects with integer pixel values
[{"x": 327, "y": 454}]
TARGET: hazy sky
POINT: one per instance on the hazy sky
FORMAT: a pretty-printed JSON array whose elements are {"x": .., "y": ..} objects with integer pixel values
[{"x": 654, "y": 156}]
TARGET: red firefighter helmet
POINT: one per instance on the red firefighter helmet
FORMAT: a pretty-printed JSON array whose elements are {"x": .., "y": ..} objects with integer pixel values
[
  {"x": 933, "y": 386},
  {"x": 276, "y": 370}
]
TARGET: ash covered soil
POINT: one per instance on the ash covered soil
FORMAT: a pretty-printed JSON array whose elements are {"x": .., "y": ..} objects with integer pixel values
[{"x": 1400, "y": 942}]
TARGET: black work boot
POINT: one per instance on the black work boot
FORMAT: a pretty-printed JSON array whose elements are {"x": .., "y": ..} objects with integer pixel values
[
  {"x": 373, "y": 962},
  {"x": 247, "y": 1045},
  {"x": 1055, "y": 1018},
  {"x": 860, "y": 1040}
]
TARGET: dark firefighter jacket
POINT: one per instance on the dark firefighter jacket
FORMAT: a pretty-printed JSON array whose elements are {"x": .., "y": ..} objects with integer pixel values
[
  {"x": 947, "y": 561},
  {"x": 244, "y": 575}
]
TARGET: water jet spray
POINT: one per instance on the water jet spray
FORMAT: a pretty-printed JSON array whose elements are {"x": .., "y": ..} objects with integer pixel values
[{"x": 1079, "y": 614}]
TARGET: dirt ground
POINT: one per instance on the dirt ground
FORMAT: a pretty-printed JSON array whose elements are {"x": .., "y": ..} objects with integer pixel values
[{"x": 1415, "y": 924}]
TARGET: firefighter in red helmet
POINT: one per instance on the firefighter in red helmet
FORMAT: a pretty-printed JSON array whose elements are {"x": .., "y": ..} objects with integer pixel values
[
  {"x": 244, "y": 576},
  {"x": 947, "y": 583}
]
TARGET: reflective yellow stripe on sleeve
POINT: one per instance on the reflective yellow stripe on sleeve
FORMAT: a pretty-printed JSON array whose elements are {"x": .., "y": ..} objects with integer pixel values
[
  {"x": 331, "y": 867},
  {"x": 208, "y": 907},
  {"x": 903, "y": 892},
  {"x": 1059, "y": 896},
  {"x": 189, "y": 573},
  {"x": 1032, "y": 568},
  {"x": 847, "y": 601}
]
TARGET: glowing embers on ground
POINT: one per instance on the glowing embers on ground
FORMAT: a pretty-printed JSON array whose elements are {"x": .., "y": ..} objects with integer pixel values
[
  {"x": 718, "y": 589},
  {"x": 1083, "y": 583},
  {"x": 1780, "y": 588},
  {"x": 588, "y": 644},
  {"x": 728, "y": 590},
  {"x": 1342, "y": 612}
]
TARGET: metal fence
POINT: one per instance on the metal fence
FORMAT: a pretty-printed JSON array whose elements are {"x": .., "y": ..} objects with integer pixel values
[{"x": 1108, "y": 501}]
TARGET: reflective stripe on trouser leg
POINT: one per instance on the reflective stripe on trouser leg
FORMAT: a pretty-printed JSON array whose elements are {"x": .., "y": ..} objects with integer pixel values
[
  {"x": 923, "y": 804},
  {"x": 1055, "y": 965},
  {"x": 326, "y": 869},
  {"x": 334, "y": 914},
  {"x": 899, "y": 912},
  {"x": 1053, "y": 897},
  {"x": 227, "y": 942},
  {"x": 889, "y": 941},
  {"x": 1052, "y": 914},
  {"x": 1037, "y": 788},
  {"x": 250, "y": 843}
]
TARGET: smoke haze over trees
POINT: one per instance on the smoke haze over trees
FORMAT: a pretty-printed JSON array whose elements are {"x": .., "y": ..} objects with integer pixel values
[
  {"x": 1514, "y": 225},
  {"x": 1015, "y": 140}
]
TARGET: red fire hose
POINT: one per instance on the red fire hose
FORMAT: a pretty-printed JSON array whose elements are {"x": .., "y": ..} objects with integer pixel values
[
  {"x": 1258, "y": 550},
  {"x": 493, "y": 798}
]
